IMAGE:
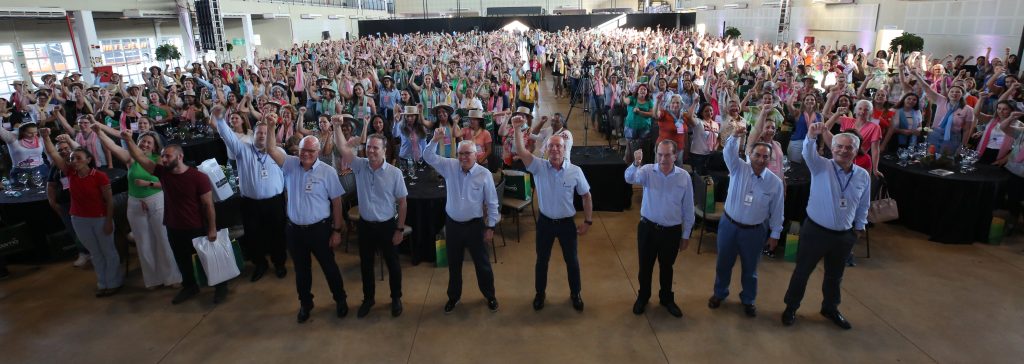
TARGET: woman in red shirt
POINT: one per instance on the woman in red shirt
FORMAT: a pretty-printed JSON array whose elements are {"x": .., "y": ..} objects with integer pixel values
[
  {"x": 92, "y": 211},
  {"x": 871, "y": 133},
  {"x": 671, "y": 124}
]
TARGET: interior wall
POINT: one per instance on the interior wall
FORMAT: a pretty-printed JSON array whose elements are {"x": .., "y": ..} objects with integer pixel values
[{"x": 449, "y": 6}]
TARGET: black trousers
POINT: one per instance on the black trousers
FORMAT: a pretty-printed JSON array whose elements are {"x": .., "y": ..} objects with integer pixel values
[
  {"x": 375, "y": 236},
  {"x": 661, "y": 244},
  {"x": 817, "y": 243},
  {"x": 459, "y": 237},
  {"x": 181, "y": 246},
  {"x": 565, "y": 230},
  {"x": 314, "y": 239},
  {"x": 264, "y": 222}
]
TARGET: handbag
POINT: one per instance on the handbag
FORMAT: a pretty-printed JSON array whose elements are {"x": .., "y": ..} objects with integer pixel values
[{"x": 883, "y": 208}]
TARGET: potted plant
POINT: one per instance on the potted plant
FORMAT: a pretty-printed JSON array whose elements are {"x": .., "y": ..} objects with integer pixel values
[
  {"x": 166, "y": 52},
  {"x": 910, "y": 43},
  {"x": 732, "y": 32}
]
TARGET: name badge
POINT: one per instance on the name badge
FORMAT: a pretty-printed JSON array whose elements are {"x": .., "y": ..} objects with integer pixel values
[
  {"x": 842, "y": 203},
  {"x": 65, "y": 182},
  {"x": 264, "y": 174},
  {"x": 748, "y": 199},
  {"x": 309, "y": 187}
]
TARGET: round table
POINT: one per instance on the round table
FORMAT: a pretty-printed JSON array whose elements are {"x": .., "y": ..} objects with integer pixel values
[
  {"x": 955, "y": 209},
  {"x": 33, "y": 208},
  {"x": 425, "y": 213},
  {"x": 197, "y": 150}
]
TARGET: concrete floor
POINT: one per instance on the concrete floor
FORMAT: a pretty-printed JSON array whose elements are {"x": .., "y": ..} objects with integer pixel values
[{"x": 914, "y": 301}]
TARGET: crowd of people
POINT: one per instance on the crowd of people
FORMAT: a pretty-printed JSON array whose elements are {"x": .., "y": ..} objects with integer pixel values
[{"x": 320, "y": 127}]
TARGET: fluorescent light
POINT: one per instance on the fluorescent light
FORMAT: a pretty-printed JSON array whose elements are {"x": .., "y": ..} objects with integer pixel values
[{"x": 735, "y": 6}]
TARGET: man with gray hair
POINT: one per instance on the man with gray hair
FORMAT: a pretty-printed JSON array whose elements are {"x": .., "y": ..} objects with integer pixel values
[
  {"x": 313, "y": 208},
  {"x": 837, "y": 213},
  {"x": 472, "y": 208}
]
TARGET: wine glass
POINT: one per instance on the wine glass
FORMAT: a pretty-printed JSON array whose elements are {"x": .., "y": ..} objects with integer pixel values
[
  {"x": 6, "y": 182},
  {"x": 411, "y": 167},
  {"x": 23, "y": 180},
  {"x": 37, "y": 179},
  {"x": 904, "y": 154},
  {"x": 785, "y": 164}
]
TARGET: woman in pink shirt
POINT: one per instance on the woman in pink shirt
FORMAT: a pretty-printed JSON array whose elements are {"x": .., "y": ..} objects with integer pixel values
[
  {"x": 871, "y": 133},
  {"x": 952, "y": 116}
]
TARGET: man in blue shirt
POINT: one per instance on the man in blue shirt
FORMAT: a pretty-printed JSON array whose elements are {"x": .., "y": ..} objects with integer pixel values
[
  {"x": 666, "y": 218},
  {"x": 556, "y": 180},
  {"x": 381, "y": 191},
  {"x": 471, "y": 199},
  {"x": 838, "y": 206},
  {"x": 314, "y": 206},
  {"x": 753, "y": 206},
  {"x": 263, "y": 207}
]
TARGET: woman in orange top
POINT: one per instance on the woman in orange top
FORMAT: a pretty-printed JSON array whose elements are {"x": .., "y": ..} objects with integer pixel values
[{"x": 671, "y": 124}]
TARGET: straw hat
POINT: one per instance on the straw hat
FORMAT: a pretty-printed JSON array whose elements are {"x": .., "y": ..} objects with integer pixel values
[
  {"x": 410, "y": 110},
  {"x": 447, "y": 108},
  {"x": 524, "y": 111},
  {"x": 475, "y": 114}
]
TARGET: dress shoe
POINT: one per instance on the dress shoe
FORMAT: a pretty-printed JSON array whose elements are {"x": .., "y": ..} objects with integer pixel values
[
  {"x": 341, "y": 309},
  {"x": 538, "y": 302},
  {"x": 673, "y": 308},
  {"x": 364, "y": 309},
  {"x": 714, "y": 302},
  {"x": 220, "y": 293},
  {"x": 450, "y": 306},
  {"x": 280, "y": 271},
  {"x": 396, "y": 307},
  {"x": 303, "y": 314},
  {"x": 838, "y": 319},
  {"x": 789, "y": 316},
  {"x": 492, "y": 303},
  {"x": 750, "y": 310},
  {"x": 639, "y": 306},
  {"x": 184, "y": 294},
  {"x": 258, "y": 273},
  {"x": 577, "y": 302}
]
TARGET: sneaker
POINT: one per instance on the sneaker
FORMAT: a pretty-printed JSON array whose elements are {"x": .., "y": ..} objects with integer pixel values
[{"x": 82, "y": 260}]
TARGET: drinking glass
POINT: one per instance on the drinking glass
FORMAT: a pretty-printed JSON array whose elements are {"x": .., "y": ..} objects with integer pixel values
[
  {"x": 411, "y": 167},
  {"x": 37, "y": 180},
  {"x": 23, "y": 180}
]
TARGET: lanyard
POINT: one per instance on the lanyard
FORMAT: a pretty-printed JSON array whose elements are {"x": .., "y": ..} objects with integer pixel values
[
  {"x": 259, "y": 158},
  {"x": 842, "y": 187}
]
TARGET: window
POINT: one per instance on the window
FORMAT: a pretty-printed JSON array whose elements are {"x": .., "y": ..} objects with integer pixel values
[
  {"x": 49, "y": 57},
  {"x": 128, "y": 56},
  {"x": 8, "y": 70}
]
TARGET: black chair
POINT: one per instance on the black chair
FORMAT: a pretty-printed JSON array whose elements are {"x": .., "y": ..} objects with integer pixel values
[{"x": 700, "y": 196}]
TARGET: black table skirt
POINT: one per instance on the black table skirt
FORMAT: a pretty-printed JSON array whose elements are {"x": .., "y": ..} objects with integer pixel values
[
  {"x": 424, "y": 214},
  {"x": 605, "y": 172},
  {"x": 955, "y": 209},
  {"x": 798, "y": 190},
  {"x": 34, "y": 209},
  {"x": 200, "y": 149},
  {"x": 229, "y": 212}
]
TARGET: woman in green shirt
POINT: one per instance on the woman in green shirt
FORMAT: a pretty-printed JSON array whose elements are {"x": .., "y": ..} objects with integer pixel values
[{"x": 146, "y": 213}]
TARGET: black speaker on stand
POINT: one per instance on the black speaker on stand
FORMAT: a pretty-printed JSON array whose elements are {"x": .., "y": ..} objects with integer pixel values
[
  {"x": 205, "y": 22},
  {"x": 327, "y": 35}
]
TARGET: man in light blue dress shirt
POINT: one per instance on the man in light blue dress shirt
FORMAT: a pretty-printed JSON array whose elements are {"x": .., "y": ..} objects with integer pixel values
[
  {"x": 471, "y": 199},
  {"x": 556, "y": 179},
  {"x": 837, "y": 207},
  {"x": 666, "y": 218},
  {"x": 263, "y": 206},
  {"x": 314, "y": 207},
  {"x": 381, "y": 191},
  {"x": 753, "y": 206}
]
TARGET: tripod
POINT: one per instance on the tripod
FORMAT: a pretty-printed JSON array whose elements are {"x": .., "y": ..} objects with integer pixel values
[{"x": 578, "y": 94}]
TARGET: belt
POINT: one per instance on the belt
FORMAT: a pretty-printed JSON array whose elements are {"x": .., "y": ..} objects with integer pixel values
[
  {"x": 808, "y": 219},
  {"x": 657, "y": 226},
  {"x": 560, "y": 220},
  {"x": 376, "y": 222},
  {"x": 467, "y": 222},
  {"x": 315, "y": 224},
  {"x": 738, "y": 224}
]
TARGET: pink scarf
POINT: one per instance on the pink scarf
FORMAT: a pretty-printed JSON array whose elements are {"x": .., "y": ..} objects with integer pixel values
[
  {"x": 1007, "y": 140},
  {"x": 30, "y": 143},
  {"x": 88, "y": 142}
]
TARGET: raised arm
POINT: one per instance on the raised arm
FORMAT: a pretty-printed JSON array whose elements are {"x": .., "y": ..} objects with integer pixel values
[
  {"x": 51, "y": 151},
  {"x": 136, "y": 153},
  {"x": 109, "y": 145},
  {"x": 524, "y": 154},
  {"x": 276, "y": 153}
]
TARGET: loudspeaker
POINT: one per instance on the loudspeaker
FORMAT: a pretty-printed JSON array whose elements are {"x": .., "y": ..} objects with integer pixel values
[
  {"x": 327, "y": 35},
  {"x": 204, "y": 19}
]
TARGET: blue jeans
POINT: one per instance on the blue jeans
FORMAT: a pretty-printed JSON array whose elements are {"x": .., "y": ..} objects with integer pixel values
[
  {"x": 105, "y": 260},
  {"x": 734, "y": 240},
  {"x": 565, "y": 231}
]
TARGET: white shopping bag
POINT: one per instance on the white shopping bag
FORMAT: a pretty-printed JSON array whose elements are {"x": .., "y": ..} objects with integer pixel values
[
  {"x": 217, "y": 257},
  {"x": 221, "y": 189}
]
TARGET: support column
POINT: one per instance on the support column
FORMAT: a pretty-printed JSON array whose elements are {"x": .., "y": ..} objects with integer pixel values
[
  {"x": 247, "y": 35},
  {"x": 188, "y": 40},
  {"x": 88, "y": 44}
]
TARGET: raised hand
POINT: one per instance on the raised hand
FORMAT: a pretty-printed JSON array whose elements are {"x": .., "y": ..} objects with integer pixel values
[
  {"x": 738, "y": 129},
  {"x": 638, "y": 156},
  {"x": 44, "y": 132},
  {"x": 217, "y": 111}
]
